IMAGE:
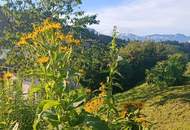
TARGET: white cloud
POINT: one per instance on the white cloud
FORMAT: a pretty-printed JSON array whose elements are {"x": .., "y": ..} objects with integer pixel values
[{"x": 146, "y": 17}]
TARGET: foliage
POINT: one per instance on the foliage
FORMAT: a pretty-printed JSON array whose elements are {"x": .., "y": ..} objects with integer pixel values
[
  {"x": 168, "y": 72},
  {"x": 48, "y": 62},
  {"x": 161, "y": 106},
  {"x": 188, "y": 69},
  {"x": 139, "y": 56},
  {"x": 19, "y": 16},
  {"x": 93, "y": 62},
  {"x": 13, "y": 106}
]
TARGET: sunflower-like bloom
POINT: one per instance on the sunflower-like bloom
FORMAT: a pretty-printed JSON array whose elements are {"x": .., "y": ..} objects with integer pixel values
[
  {"x": 64, "y": 49},
  {"x": 60, "y": 36},
  {"x": 43, "y": 59},
  {"x": 94, "y": 105},
  {"x": 46, "y": 26},
  {"x": 70, "y": 40},
  {"x": 24, "y": 39},
  {"x": 77, "y": 42},
  {"x": 7, "y": 75},
  {"x": 21, "y": 43}
]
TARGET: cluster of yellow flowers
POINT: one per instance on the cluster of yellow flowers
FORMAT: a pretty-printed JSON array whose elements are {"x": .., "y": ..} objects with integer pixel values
[
  {"x": 43, "y": 59},
  {"x": 48, "y": 25},
  {"x": 7, "y": 75},
  {"x": 67, "y": 38},
  {"x": 23, "y": 40},
  {"x": 94, "y": 105},
  {"x": 64, "y": 49}
]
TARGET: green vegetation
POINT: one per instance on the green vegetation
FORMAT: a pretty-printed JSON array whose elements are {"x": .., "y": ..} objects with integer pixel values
[
  {"x": 167, "y": 107},
  {"x": 168, "y": 72},
  {"x": 59, "y": 75}
]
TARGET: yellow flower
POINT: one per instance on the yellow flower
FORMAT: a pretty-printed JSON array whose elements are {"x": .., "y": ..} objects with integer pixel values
[
  {"x": 64, "y": 49},
  {"x": 77, "y": 42},
  {"x": 140, "y": 120},
  {"x": 7, "y": 75},
  {"x": 48, "y": 24},
  {"x": 88, "y": 90},
  {"x": 43, "y": 59},
  {"x": 69, "y": 38},
  {"x": 21, "y": 43},
  {"x": 60, "y": 36},
  {"x": 103, "y": 94},
  {"x": 102, "y": 90},
  {"x": 45, "y": 26},
  {"x": 123, "y": 114},
  {"x": 93, "y": 105},
  {"x": 24, "y": 39}
]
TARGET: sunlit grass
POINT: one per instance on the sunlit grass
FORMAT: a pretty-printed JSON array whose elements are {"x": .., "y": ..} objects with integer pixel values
[{"x": 168, "y": 108}]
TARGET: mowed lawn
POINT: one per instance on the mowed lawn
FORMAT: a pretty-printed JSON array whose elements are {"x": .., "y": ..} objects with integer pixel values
[{"x": 167, "y": 108}]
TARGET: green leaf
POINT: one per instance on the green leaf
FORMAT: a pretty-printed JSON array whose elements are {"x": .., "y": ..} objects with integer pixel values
[
  {"x": 50, "y": 103},
  {"x": 34, "y": 90},
  {"x": 96, "y": 123},
  {"x": 51, "y": 117}
]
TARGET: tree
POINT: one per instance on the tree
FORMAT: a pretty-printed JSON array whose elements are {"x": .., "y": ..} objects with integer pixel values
[
  {"x": 139, "y": 56},
  {"x": 168, "y": 72},
  {"x": 20, "y": 15}
]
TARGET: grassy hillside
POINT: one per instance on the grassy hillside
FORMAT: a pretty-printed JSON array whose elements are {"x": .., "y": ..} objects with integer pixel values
[{"x": 167, "y": 108}]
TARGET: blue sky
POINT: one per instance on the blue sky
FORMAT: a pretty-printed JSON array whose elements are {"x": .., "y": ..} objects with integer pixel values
[
  {"x": 141, "y": 17},
  {"x": 98, "y": 4}
]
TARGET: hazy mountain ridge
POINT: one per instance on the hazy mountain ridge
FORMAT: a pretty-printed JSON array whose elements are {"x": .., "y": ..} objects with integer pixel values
[{"x": 156, "y": 37}]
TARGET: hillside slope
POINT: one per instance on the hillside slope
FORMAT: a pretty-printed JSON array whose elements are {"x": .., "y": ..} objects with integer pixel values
[{"x": 167, "y": 108}]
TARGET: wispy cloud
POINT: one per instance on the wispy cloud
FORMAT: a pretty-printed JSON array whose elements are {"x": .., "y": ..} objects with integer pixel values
[{"x": 146, "y": 17}]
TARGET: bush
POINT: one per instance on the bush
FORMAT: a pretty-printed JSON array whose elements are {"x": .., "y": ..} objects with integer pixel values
[
  {"x": 139, "y": 56},
  {"x": 188, "y": 69},
  {"x": 168, "y": 72},
  {"x": 61, "y": 102},
  {"x": 14, "y": 108},
  {"x": 94, "y": 62}
]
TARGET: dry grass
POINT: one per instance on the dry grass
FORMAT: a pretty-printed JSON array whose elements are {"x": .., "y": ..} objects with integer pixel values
[{"x": 167, "y": 108}]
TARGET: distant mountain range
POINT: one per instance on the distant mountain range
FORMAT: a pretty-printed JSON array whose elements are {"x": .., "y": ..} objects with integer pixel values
[{"x": 156, "y": 37}]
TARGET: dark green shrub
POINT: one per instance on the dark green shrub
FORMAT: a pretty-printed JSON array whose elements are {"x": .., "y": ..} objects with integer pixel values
[
  {"x": 139, "y": 56},
  {"x": 94, "y": 64},
  {"x": 168, "y": 72}
]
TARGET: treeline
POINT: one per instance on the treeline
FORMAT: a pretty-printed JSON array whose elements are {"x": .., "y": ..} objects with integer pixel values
[{"x": 136, "y": 65}]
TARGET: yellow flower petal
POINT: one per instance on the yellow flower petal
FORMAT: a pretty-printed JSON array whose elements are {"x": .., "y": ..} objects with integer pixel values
[{"x": 43, "y": 59}]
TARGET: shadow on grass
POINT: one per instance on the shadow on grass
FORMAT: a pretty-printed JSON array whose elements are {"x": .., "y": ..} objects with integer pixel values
[
  {"x": 158, "y": 96},
  {"x": 184, "y": 97}
]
